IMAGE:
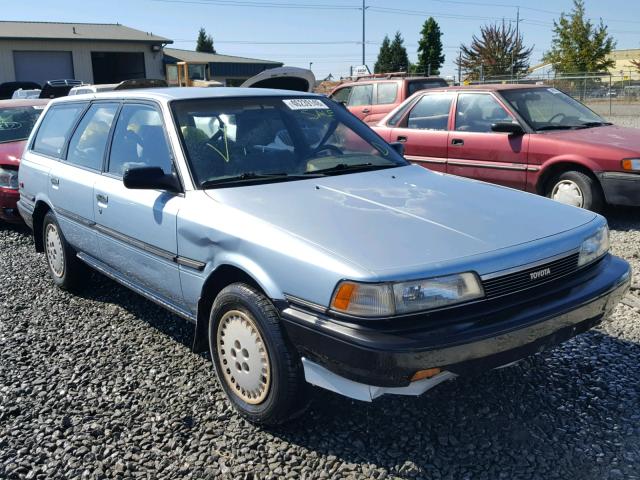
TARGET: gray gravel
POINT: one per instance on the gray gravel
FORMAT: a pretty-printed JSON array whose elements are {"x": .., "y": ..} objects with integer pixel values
[{"x": 103, "y": 385}]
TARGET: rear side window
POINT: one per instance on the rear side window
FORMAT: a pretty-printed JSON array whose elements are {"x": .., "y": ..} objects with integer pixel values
[
  {"x": 56, "y": 127},
  {"x": 342, "y": 95},
  {"x": 88, "y": 143},
  {"x": 431, "y": 113},
  {"x": 387, "y": 93},
  {"x": 361, "y": 95}
]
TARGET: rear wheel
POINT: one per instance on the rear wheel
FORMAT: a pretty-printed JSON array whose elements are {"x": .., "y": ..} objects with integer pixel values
[
  {"x": 576, "y": 189},
  {"x": 64, "y": 267},
  {"x": 260, "y": 372}
]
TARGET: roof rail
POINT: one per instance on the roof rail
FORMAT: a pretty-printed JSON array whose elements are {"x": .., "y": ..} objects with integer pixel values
[{"x": 383, "y": 75}]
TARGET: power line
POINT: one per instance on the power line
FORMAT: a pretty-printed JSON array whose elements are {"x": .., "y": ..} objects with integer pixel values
[{"x": 249, "y": 3}]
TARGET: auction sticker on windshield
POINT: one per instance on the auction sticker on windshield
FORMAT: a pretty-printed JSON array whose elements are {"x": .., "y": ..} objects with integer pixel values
[{"x": 305, "y": 104}]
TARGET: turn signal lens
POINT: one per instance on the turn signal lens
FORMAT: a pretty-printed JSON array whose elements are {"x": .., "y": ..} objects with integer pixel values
[
  {"x": 631, "y": 164},
  {"x": 343, "y": 296},
  {"x": 364, "y": 299},
  {"x": 422, "y": 374}
]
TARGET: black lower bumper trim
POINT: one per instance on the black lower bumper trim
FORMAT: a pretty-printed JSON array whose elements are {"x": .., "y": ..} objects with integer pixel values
[{"x": 367, "y": 354}]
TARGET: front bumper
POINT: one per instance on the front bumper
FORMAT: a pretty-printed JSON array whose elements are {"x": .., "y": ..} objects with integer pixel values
[
  {"x": 461, "y": 340},
  {"x": 8, "y": 205},
  {"x": 621, "y": 188}
]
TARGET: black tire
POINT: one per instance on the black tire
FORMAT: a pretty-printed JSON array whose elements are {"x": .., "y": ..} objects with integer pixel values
[
  {"x": 72, "y": 270},
  {"x": 286, "y": 395},
  {"x": 592, "y": 196}
]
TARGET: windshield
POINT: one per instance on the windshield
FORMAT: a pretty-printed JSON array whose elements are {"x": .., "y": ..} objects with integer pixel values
[
  {"x": 249, "y": 139},
  {"x": 16, "y": 123},
  {"x": 550, "y": 109}
]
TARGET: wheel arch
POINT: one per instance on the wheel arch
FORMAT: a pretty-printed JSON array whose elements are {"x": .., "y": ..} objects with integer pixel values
[
  {"x": 40, "y": 210},
  {"x": 223, "y": 275},
  {"x": 559, "y": 165}
]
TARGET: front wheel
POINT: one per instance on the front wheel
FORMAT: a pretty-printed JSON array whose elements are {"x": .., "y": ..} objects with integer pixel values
[
  {"x": 260, "y": 372},
  {"x": 576, "y": 189}
]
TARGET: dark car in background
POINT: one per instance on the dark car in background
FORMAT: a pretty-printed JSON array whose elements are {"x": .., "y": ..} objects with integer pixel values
[
  {"x": 371, "y": 98},
  {"x": 7, "y": 88},
  {"x": 17, "y": 118}
]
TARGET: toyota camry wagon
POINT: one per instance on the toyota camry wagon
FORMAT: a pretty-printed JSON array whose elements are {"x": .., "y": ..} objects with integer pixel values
[{"x": 303, "y": 247}]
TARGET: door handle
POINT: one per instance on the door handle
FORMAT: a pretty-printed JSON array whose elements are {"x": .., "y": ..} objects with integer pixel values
[
  {"x": 365, "y": 110},
  {"x": 54, "y": 181},
  {"x": 402, "y": 138},
  {"x": 457, "y": 142},
  {"x": 102, "y": 199}
]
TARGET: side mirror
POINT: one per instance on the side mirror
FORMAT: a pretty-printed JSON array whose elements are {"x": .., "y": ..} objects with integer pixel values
[
  {"x": 507, "y": 127},
  {"x": 398, "y": 147},
  {"x": 150, "y": 178}
]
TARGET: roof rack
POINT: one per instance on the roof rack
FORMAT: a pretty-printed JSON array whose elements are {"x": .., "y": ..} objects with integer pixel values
[
  {"x": 382, "y": 75},
  {"x": 393, "y": 75}
]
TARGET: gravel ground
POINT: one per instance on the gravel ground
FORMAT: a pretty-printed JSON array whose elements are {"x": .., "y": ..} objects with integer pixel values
[{"x": 103, "y": 385}]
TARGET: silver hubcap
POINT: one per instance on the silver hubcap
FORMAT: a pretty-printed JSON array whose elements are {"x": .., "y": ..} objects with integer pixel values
[
  {"x": 568, "y": 192},
  {"x": 55, "y": 252},
  {"x": 243, "y": 357}
]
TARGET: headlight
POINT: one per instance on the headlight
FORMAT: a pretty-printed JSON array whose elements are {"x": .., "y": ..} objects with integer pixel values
[
  {"x": 8, "y": 177},
  {"x": 385, "y": 299},
  {"x": 631, "y": 164},
  {"x": 595, "y": 246}
]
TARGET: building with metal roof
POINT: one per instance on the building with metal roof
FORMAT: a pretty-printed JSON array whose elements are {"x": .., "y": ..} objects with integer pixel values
[
  {"x": 226, "y": 69},
  {"x": 90, "y": 52}
]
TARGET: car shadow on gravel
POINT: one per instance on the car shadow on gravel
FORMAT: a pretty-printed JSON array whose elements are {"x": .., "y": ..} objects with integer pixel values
[
  {"x": 623, "y": 218},
  {"x": 572, "y": 412}
]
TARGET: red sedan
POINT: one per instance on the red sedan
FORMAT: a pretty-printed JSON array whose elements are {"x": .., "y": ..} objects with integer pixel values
[
  {"x": 532, "y": 138},
  {"x": 17, "y": 118}
]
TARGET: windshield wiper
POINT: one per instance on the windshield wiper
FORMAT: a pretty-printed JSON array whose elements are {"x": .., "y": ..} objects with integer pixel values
[
  {"x": 558, "y": 127},
  {"x": 253, "y": 176},
  {"x": 595, "y": 124},
  {"x": 343, "y": 167}
]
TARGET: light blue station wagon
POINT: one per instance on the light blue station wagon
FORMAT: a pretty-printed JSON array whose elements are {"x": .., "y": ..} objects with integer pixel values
[{"x": 303, "y": 247}]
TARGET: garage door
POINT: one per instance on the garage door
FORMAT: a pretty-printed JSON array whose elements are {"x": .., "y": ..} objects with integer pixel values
[{"x": 42, "y": 66}]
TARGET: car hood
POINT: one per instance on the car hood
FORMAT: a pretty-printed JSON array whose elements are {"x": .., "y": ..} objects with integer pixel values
[
  {"x": 625, "y": 138},
  {"x": 403, "y": 217},
  {"x": 10, "y": 152}
]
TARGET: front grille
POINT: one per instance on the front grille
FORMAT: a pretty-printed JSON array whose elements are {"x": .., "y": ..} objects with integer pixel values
[{"x": 530, "y": 277}]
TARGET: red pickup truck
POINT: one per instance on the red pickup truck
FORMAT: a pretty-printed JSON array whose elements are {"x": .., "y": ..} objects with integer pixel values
[
  {"x": 371, "y": 98},
  {"x": 532, "y": 138}
]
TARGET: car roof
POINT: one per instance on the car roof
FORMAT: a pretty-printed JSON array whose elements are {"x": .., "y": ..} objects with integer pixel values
[
  {"x": 489, "y": 87},
  {"x": 23, "y": 102},
  {"x": 167, "y": 94},
  {"x": 366, "y": 79}
]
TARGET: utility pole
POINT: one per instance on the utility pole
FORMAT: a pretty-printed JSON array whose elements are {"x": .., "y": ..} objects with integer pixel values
[
  {"x": 364, "y": 8},
  {"x": 517, "y": 39}
]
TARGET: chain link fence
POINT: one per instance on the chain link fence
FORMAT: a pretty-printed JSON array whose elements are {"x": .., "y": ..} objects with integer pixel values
[{"x": 607, "y": 94}]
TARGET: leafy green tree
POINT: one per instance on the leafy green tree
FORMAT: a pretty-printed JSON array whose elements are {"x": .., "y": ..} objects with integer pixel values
[
  {"x": 578, "y": 45},
  {"x": 430, "y": 57},
  {"x": 383, "y": 63},
  {"x": 204, "y": 42},
  {"x": 498, "y": 51},
  {"x": 399, "y": 60}
]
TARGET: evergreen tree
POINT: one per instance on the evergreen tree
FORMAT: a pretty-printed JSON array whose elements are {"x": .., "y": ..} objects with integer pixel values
[
  {"x": 498, "y": 51},
  {"x": 430, "y": 57},
  {"x": 383, "y": 62},
  {"x": 636, "y": 64},
  {"x": 579, "y": 46},
  {"x": 398, "y": 58},
  {"x": 204, "y": 42}
]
